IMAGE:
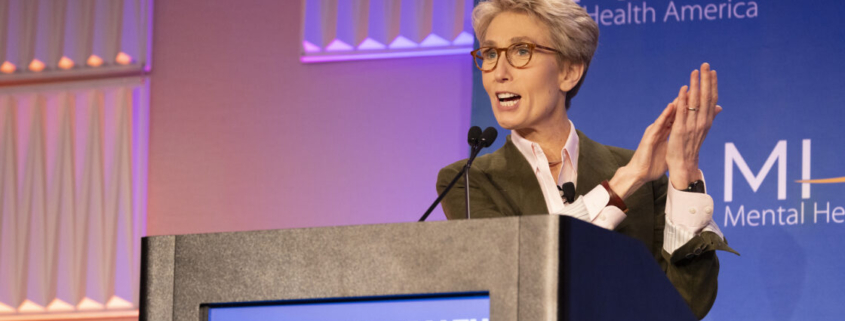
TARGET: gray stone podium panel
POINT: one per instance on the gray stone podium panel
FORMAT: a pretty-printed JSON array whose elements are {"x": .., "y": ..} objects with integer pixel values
[{"x": 358, "y": 261}]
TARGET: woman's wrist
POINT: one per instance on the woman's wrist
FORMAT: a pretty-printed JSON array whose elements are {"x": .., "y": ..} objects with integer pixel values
[
  {"x": 625, "y": 182},
  {"x": 681, "y": 178}
]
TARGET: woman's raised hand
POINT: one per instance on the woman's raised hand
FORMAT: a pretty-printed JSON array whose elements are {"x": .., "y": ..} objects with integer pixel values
[
  {"x": 685, "y": 122},
  {"x": 649, "y": 160},
  {"x": 695, "y": 110}
]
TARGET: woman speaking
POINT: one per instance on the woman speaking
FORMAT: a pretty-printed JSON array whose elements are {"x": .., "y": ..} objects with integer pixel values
[{"x": 534, "y": 55}]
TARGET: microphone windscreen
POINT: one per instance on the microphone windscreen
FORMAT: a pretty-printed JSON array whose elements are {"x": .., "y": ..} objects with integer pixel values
[
  {"x": 473, "y": 135},
  {"x": 489, "y": 136},
  {"x": 568, "y": 190}
]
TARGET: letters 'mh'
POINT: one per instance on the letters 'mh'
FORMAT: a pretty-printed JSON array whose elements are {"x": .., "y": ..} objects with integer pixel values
[{"x": 778, "y": 155}]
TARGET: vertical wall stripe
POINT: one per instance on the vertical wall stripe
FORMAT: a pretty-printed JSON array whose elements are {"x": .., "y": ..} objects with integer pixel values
[{"x": 71, "y": 216}]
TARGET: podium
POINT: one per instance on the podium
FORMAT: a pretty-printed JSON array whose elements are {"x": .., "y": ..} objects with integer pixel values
[{"x": 542, "y": 267}]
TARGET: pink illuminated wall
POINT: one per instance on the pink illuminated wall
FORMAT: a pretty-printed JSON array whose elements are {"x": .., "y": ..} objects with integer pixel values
[{"x": 244, "y": 136}]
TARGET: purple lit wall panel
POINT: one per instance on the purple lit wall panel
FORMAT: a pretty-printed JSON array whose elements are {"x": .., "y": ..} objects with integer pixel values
[
  {"x": 378, "y": 29},
  {"x": 244, "y": 136}
]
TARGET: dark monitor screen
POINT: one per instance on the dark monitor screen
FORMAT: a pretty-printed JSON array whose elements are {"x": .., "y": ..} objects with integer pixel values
[{"x": 451, "y": 307}]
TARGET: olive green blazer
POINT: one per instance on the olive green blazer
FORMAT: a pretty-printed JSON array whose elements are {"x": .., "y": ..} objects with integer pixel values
[{"x": 503, "y": 184}]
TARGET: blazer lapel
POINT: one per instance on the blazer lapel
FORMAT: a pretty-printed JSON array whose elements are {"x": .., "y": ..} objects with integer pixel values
[
  {"x": 595, "y": 164},
  {"x": 513, "y": 176}
]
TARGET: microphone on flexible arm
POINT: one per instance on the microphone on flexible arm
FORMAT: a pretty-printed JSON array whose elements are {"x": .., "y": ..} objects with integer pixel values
[
  {"x": 477, "y": 140},
  {"x": 486, "y": 139}
]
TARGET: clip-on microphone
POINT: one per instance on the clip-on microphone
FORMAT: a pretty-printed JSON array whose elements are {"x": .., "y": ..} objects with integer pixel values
[{"x": 567, "y": 192}]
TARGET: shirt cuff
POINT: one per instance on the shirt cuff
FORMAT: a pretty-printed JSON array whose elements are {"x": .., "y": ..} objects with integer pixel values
[
  {"x": 600, "y": 214},
  {"x": 688, "y": 210},
  {"x": 675, "y": 237}
]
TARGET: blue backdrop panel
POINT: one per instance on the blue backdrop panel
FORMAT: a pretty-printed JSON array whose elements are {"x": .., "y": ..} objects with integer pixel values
[{"x": 780, "y": 67}]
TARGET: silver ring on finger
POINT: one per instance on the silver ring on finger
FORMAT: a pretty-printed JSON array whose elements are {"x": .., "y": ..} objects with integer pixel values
[{"x": 692, "y": 109}]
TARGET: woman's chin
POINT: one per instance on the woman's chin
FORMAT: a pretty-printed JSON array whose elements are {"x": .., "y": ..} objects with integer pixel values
[
  {"x": 508, "y": 118},
  {"x": 508, "y": 124}
]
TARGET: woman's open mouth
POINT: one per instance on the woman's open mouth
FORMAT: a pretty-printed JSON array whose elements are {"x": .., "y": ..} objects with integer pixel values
[{"x": 508, "y": 99}]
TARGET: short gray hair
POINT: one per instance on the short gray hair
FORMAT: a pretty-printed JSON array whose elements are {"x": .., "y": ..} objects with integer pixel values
[{"x": 573, "y": 32}]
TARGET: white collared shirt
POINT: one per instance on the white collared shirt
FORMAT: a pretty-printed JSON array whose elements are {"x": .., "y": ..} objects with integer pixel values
[
  {"x": 687, "y": 214},
  {"x": 540, "y": 165}
]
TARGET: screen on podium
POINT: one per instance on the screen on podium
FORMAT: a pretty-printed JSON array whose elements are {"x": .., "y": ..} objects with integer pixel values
[{"x": 451, "y": 307}]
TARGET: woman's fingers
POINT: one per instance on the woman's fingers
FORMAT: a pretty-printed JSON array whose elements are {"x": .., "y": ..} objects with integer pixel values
[
  {"x": 663, "y": 119},
  {"x": 671, "y": 118},
  {"x": 714, "y": 83},
  {"x": 681, "y": 111},
  {"x": 658, "y": 131},
  {"x": 705, "y": 109},
  {"x": 694, "y": 99}
]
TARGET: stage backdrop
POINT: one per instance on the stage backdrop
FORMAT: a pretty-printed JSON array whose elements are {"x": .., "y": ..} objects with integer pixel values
[{"x": 780, "y": 66}]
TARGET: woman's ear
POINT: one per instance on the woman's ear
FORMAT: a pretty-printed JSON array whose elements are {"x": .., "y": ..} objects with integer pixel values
[{"x": 569, "y": 75}]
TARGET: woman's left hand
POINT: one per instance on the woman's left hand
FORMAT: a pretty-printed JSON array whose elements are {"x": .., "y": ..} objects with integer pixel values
[
  {"x": 695, "y": 110},
  {"x": 649, "y": 160}
]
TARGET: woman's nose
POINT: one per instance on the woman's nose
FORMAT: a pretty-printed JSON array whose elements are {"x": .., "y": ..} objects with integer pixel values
[{"x": 502, "y": 73}]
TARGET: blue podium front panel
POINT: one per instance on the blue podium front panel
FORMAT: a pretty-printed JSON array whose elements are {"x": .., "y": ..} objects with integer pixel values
[{"x": 462, "y": 307}]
